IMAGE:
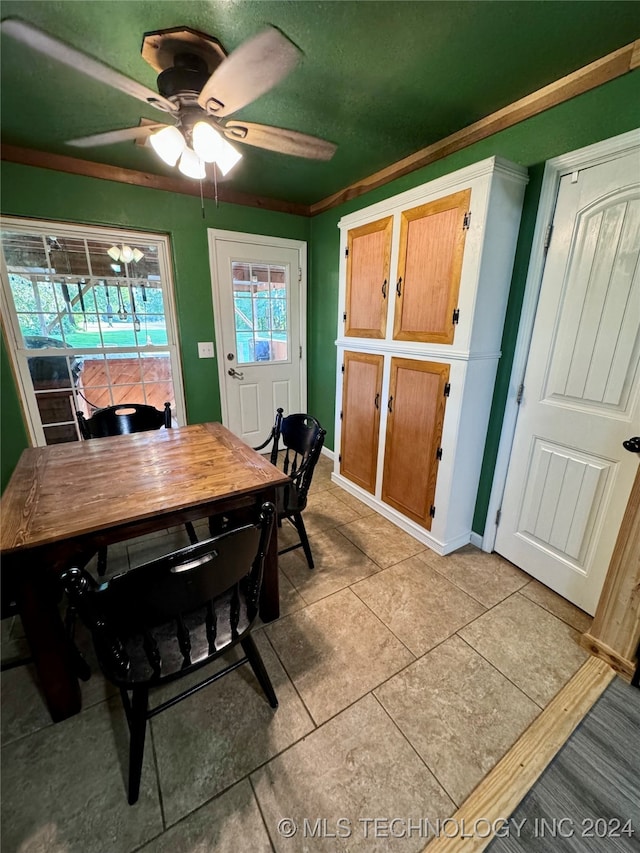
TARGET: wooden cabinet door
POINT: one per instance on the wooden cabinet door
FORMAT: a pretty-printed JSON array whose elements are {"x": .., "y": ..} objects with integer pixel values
[
  {"x": 361, "y": 392},
  {"x": 368, "y": 263},
  {"x": 414, "y": 431},
  {"x": 429, "y": 267}
]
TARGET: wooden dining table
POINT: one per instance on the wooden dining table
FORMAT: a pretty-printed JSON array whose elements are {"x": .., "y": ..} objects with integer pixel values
[{"x": 66, "y": 501}]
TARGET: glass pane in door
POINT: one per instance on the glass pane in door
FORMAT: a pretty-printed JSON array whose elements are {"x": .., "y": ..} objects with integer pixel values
[{"x": 260, "y": 312}]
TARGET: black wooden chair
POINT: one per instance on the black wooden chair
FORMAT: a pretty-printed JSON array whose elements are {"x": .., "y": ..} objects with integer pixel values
[
  {"x": 303, "y": 438},
  {"x": 172, "y": 616},
  {"x": 123, "y": 419}
]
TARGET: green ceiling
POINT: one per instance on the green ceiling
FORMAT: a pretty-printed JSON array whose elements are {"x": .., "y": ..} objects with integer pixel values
[{"x": 380, "y": 79}]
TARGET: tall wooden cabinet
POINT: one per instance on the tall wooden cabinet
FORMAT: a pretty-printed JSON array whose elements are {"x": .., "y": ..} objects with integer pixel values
[{"x": 424, "y": 280}]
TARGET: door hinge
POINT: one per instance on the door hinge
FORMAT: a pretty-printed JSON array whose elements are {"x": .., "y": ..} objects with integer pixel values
[
  {"x": 547, "y": 237},
  {"x": 498, "y": 516},
  {"x": 344, "y": 317},
  {"x": 300, "y": 350},
  {"x": 340, "y": 457},
  {"x": 439, "y": 453},
  {"x": 432, "y": 511},
  {"x": 456, "y": 316},
  {"x": 466, "y": 221},
  {"x": 342, "y": 368},
  {"x": 447, "y": 389},
  {"x": 299, "y": 273},
  {"x": 520, "y": 393},
  {"x": 340, "y": 415},
  {"x": 346, "y": 253}
]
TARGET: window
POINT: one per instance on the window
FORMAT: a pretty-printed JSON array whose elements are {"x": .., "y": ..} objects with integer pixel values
[
  {"x": 260, "y": 312},
  {"x": 90, "y": 322}
]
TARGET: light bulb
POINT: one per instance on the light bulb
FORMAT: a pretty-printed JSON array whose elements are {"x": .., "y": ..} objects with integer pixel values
[
  {"x": 191, "y": 165},
  {"x": 212, "y": 147},
  {"x": 168, "y": 144},
  {"x": 126, "y": 254},
  {"x": 114, "y": 253}
]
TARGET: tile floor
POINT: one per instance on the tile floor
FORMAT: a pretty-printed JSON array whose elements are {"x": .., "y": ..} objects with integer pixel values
[{"x": 402, "y": 678}]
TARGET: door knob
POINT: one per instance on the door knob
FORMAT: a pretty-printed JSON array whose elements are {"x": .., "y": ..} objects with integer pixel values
[
  {"x": 237, "y": 374},
  {"x": 632, "y": 444}
]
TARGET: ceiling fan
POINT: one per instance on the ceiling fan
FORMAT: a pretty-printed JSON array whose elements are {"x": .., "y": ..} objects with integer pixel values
[{"x": 199, "y": 86}]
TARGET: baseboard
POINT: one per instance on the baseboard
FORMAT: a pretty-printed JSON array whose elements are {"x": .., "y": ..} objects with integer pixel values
[
  {"x": 476, "y": 540},
  {"x": 329, "y": 453}
]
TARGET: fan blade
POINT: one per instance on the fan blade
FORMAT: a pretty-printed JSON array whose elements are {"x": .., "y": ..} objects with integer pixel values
[
  {"x": 250, "y": 71},
  {"x": 49, "y": 46},
  {"x": 279, "y": 139},
  {"x": 113, "y": 136}
]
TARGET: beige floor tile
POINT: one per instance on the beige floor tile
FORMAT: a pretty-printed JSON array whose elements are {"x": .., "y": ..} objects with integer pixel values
[
  {"x": 338, "y": 563},
  {"x": 65, "y": 791},
  {"x": 290, "y": 598},
  {"x": 322, "y": 474},
  {"x": 355, "y": 767},
  {"x": 459, "y": 713},
  {"x": 326, "y": 510},
  {"x": 557, "y": 605},
  {"x": 352, "y": 501},
  {"x": 381, "y": 541},
  {"x": 533, "y": 648},
  {"x": 228, "y": 824},
  {"x": 419, "y": 605},
  {"x": 23, "y": 707},
  {"x": 335, "y": 651},
  {"x": 489, "y": 578},
  {"x": 212, "y": 739}
]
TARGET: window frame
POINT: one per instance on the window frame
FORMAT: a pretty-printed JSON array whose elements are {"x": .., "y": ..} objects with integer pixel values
[{"x": 13, "y": 334}]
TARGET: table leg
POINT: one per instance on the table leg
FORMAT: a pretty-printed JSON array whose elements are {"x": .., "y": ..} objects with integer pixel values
[{"x": 37, "y": 601}]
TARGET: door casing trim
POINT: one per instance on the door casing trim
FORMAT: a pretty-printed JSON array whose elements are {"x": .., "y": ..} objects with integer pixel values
[
  {"x": 216, "y": 234},
  {"x": 554, "y": 170}
]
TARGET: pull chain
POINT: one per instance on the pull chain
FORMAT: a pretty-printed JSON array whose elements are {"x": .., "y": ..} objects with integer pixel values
[{"x": 201, "y": 199}]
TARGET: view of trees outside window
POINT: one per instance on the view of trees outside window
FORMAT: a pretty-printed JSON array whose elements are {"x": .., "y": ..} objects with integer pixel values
[{"x": 260, "y": 312}]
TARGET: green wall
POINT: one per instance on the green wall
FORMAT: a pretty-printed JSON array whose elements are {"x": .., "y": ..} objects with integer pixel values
[
  {"x": 44, "y": 194},
  {"x": 604, "y": 112},
  {"x": 607, "y": 111}
]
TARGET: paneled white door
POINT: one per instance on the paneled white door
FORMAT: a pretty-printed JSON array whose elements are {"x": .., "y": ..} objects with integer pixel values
[
  {"x": 569, "y": 477},
  {"x": 258, "y": 299}
]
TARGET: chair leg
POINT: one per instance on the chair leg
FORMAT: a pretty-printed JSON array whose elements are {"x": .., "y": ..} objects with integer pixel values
[
  {"x": 102, "y": 561},
  {"x": 191, "y": 533},
  {"x": 137, "y": 732},
  {"x": 304, "y": 539},
  {"x": 259, "y": 670}
]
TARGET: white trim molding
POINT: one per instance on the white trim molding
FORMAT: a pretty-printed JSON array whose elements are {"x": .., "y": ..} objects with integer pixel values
[{"x": 555, "y": 169}]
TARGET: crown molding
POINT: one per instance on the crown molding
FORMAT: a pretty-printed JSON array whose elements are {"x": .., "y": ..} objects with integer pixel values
[{"x": 102, "y": 171}]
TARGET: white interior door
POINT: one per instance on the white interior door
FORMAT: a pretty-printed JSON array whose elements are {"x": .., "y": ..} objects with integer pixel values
[
  {"x": 258, "y": 286},
  {"x": 569, "y": 477}
]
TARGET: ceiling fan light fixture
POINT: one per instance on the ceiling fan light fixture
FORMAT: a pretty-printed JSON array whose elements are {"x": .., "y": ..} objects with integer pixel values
[
  {"x": 212, "y": 147},
  {"x": 168, "y": 144},
  {"x": 137, "y": 255},
  {"x": 191, "y": 165},
  {"x": 126, "y": 254}
]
